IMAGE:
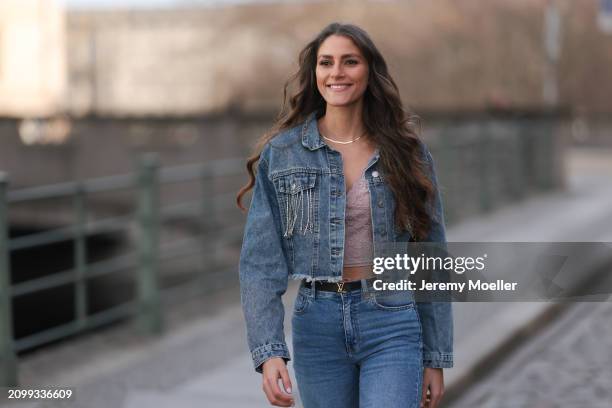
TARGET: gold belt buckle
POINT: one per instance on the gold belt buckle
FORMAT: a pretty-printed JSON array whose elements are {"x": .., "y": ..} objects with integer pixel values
[{"x": 340, "y": 287}]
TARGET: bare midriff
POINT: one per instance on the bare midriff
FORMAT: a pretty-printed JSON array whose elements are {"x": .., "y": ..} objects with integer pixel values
[{"x": 354, "y": 273}]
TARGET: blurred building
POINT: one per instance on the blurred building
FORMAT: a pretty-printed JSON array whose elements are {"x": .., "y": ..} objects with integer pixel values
[
  {"x": 77, "y": 83},
  {"x": 446, "y": 55},
  {"x": 32, "y": 58}
]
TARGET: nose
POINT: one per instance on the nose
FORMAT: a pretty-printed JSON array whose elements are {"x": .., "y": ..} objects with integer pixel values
[{"x": 337, "y": 70}]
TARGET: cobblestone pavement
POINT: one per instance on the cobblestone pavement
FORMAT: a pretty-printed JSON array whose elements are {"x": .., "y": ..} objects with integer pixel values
[{"x": 568, "y": 365}]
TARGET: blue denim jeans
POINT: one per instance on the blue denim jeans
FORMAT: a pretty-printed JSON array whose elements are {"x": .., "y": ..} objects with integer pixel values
[{"x": 362, "y": 348}]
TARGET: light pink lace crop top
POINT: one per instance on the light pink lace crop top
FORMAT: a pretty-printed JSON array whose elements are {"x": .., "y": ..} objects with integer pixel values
[{"x": 358, "y": 225}]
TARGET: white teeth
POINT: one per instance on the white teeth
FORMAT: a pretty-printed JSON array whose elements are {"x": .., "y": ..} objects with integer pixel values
[{"x": 338, "y": 86}]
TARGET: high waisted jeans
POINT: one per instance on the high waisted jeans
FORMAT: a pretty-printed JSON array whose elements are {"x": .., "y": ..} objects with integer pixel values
[{"x": 361, "y": 348}]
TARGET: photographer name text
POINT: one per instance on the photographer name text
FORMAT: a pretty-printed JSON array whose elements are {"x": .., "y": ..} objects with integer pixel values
[{"x": 478, "y": 285}]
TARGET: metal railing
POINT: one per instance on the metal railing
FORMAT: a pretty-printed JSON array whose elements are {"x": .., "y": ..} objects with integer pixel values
[
  {"x": 472, "y": 166},
  {"x": 146, "y": 307},
  {"x": 493, "y": 163}
]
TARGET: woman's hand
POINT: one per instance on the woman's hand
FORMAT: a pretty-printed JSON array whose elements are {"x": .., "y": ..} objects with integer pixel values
[
  {"x": 272, "y": 370},
  {"x": 433, "y": 381}
]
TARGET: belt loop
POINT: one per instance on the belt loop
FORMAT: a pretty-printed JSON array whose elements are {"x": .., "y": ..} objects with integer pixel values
[{"x": 364, "y": 289}]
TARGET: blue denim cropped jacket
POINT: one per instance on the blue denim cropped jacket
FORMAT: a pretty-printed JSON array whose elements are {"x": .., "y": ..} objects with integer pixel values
[{"x": 295, "y": 229}]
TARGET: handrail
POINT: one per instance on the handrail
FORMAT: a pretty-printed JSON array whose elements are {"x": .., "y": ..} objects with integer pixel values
[
  {"x": 146, "y": 181},
  {"x": 174, "y": 174},
  {"x": 481, "y": 186}
]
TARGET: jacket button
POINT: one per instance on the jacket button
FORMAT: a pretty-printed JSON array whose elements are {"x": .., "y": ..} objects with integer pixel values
[
  {"x": 374, "y": 173},
  {"x": 381, "y": 204}
]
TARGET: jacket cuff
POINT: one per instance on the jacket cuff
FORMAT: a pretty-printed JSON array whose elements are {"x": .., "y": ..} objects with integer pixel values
[
  {"x": 437, "y": 360},
  {"x": 263, "y": 353}
]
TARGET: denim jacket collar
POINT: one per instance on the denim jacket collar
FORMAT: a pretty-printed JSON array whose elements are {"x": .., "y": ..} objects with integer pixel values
[{"x": 311, "y": 138}]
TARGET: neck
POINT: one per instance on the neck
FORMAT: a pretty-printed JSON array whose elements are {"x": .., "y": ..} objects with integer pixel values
[{"x": 342, "y": 123}]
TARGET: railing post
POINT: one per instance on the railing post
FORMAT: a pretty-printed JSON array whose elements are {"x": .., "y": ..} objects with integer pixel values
[
  {"x": 208, "y": 223},
  {"x": 148, "y": 242},
  {"x": 547, "y": 153},
  {"x": 80, "y": 256},
  {"x": 8, "y": 358},
  {"x": 485, "y": 159},
  {"x": 518, "y": 168},
  {"x": 447, "y": 175}
]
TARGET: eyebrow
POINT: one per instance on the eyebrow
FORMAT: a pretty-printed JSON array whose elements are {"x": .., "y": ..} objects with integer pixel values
[{"x": 344, "y": 56}]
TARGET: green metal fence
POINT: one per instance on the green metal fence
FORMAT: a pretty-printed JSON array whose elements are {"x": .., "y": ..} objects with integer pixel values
[
  {"x": 486, "y": 164},
  {"x": 481, "y": 165},
  {"x": 147, "y": 305}
]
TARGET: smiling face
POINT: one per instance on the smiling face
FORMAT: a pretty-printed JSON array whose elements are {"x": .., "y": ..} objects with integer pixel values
[{"x": 342, "y": 71}]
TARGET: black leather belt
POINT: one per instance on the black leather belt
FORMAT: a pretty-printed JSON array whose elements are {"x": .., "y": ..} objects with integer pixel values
[{"x": 336, "y": 286}]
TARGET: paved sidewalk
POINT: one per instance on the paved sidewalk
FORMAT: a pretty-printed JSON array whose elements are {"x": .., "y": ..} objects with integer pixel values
[
  {"x": 206, "y": 364},
  {"x": 569, "y": 365}
]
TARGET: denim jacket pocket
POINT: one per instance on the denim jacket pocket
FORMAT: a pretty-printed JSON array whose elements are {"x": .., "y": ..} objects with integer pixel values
[{"x": 298, "y": 202}]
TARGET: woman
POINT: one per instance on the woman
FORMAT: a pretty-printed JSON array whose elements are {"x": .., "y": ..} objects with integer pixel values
[{"x": 342, "y": 171}]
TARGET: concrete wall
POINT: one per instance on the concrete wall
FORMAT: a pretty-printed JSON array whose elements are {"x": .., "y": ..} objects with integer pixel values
[
  {"x": 445, "y": 55},
  {"x": 484, "y": 161},
  {"x": 32, "y": 58},
  {"x": 100, "y": 147},
  {"x": 452, "y": 55}
]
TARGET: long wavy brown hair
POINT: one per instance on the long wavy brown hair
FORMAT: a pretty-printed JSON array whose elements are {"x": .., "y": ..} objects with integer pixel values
[{"x": 391, "y": 127}]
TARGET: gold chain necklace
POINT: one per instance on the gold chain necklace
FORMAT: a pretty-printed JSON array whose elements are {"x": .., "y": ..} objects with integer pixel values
[{"x": 341, "y": 142}]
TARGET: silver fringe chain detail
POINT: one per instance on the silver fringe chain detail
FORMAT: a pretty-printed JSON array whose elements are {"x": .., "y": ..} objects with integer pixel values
[
  {"x": 310, "y": 221},
  {"x": 295, "y": 208}
]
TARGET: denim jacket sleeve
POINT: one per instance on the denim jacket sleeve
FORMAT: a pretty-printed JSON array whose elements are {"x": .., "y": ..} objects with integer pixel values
[
  {"x": 436, "y": 317},
  {"x": 263, "y": 272}
]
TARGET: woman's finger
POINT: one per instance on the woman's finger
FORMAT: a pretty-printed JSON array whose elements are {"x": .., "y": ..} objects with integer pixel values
[
  {"x": 286, "y": 380},
  {"x": 275, "y": 395},
  {"x": 424, "y": 394},
  {"x": 437, "y": 391}
]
